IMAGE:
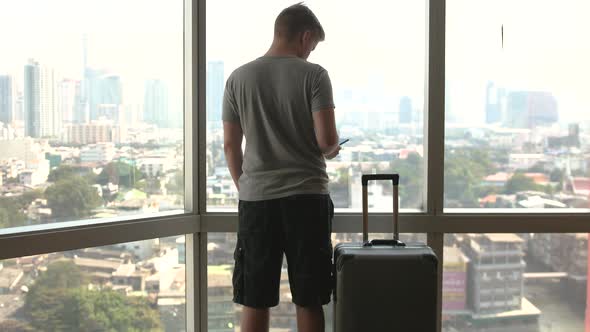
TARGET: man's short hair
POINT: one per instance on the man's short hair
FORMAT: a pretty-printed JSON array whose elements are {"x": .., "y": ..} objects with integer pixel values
[{"x": 296, "y": 19}]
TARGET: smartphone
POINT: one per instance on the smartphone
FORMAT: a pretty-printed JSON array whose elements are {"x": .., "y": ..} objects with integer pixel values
[{"x": 343, "y": 141}]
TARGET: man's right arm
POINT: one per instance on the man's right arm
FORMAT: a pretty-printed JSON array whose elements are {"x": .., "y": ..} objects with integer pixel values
[
  {"x": 324, "y": 123},
  {"x": 322, "y": 107}
]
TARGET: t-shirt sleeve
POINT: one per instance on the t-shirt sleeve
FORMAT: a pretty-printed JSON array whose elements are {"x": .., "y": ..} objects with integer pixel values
[
  {"x": 230, "y": 108},
  {"x": 321, "y": 94}
]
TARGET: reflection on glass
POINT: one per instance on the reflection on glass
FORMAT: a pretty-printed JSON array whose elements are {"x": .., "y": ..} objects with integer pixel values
[
  {"x": 378, "y": 92},
  {"x": 224, "y": 315},
  {"x": 136, "y": 286},
  {"x": 517, "y": 110},
  {"x": 90, "y": 110},
  {"x": 515, "y": 282}
]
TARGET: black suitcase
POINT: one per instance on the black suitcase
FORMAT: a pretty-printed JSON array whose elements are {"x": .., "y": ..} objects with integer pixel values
[{"x": 384, "y": 285}]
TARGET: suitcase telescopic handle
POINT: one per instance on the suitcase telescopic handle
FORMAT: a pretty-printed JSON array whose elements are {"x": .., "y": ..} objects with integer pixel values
[{"x": 395, "y": 180}]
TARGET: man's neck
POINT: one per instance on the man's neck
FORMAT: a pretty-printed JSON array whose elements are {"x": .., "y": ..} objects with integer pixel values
[{"x": 277, "y": 49}]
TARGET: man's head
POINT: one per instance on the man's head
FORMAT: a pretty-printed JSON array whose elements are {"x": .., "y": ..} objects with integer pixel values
[{"x": 299, "y": 27}]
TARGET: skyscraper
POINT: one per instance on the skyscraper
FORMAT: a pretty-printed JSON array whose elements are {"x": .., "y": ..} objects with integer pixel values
[
  {"x": 18, "y": 111},
  {"x": 405, "y": 110},
  {"x": 6, "y": 99},
  {"x": 93, "y": 91},
  {"x": 68, "y": 96},
  {"x": 102, "y": 89},
  {"x": 494, "y": 98},
  {"x": 155, "y": 107},
  {"x": 528, "y": 109},
  {"x": 215, "y": 87},
  {"x": 41, "y": 117}
]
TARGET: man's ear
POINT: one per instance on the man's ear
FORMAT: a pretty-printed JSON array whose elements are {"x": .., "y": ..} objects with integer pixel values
[{"x": 306, "y": 36}]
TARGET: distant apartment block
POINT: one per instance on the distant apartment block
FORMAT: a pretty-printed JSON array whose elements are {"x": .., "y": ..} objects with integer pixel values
[
  {"x": 496, "y": 272},
  {"x": 156, "y": 165},
  {"x": 97, "y": 153},
  {"x": 454, "y": 280},
  {"x": 99, "y": 131}
]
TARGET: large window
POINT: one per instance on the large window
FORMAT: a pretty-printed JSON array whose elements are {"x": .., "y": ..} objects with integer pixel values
[
  {"x": 517, "y": 109},
  {"x": 377, "y": 67},
  {"x": 91, "y": 113},
  {"x": 224, "y": 315},
  {"x": 515, "y": 282},
  {"x": 100, "y": 110},
  {"x": 136, "y": 286}
]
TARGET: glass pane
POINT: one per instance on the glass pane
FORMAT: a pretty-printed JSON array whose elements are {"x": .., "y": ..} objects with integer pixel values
[
  {"x": 517, "y": 107},
  {"x": 91, "y": 110},
  {"x": 378, "y": 85},
  {"x": 224, "y": 315},
  {"x": 136, "y": 286},
  {"x": 515, "y": 282}
]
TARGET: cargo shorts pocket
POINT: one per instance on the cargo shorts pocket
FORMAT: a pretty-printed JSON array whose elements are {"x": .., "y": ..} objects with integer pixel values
[
  {"x": 238, "y": 275},
  {"x": 326, "y": 277}
]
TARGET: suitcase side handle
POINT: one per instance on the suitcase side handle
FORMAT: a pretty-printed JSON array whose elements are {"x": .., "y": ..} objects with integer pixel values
[{"x": 365, "y": 180}]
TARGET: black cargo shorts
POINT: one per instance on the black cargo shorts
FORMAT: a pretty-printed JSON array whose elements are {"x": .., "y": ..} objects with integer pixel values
[{"x": 299, "y": 226}]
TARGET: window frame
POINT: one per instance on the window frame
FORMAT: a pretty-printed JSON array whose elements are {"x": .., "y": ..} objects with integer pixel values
[{"x": 195, "y": 225}]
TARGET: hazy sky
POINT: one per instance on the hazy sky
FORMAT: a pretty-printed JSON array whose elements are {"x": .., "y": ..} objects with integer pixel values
[
  {"x": 136, "y": 39},
  {"x": 372, "y": 48}
]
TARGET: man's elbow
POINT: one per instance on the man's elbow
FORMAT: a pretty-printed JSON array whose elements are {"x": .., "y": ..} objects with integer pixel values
[
  {"x": 229, "y": 147},
  {"x": 326, "y": 145}
]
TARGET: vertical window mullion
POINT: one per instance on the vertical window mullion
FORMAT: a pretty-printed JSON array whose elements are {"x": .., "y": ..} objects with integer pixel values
[
  {"x": 435, "y": 107},
  {"x": 435, "y": 129}
]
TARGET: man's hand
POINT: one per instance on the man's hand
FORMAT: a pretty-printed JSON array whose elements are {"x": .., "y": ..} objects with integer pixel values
[{"x": 333, "y": 154}]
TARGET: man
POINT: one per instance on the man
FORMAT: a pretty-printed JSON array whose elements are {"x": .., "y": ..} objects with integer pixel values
[{"x": 284, "y": 108}]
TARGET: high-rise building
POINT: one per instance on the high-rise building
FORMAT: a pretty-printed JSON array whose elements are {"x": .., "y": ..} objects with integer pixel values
[
  {"x": 528, "y": 109},
  {"x": 41, "y": 116},
  {"x": 215, "y": 87},
  {"x": 112, "y": 90},
  {"x": 99, "y": 89},
  {"x": 494, "y": 100},
  {"x": 69, "y": 101},
  {"x": 496, "y": 281},
  {"x": 405, "y": 110},
  {"x": 155, "y": 107},
  {"x": 7, "y": 99},
  {"x": 19, "y": 107}
]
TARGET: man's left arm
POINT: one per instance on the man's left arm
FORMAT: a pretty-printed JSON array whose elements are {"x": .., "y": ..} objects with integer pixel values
[{"x": 232, "y": 146}]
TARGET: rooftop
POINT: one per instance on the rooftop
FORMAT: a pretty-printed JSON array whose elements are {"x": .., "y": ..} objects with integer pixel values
[
  {"x": 9, "y": 277},
  {"x": 97, "y": 263},
  {"x": 527, "y": 309},
  {"x": 510, "y": 238},
  {"x": 454, "y": 255}
]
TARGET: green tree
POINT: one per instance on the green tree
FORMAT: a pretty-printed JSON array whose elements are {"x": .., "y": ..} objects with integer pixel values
[
  {"x": 120, "y": 173},
  {"x": 108, "y": 310},
  {"x": 11, "y": 217},
  {"x": 464, "y": 172},
  {"x": 59, "y": 301},
  {"x": 15, "y": 326},
  {"x": 411, "y": 172},
  {"x": 45, "y": 298},
  {"x": 61, "y": 173},
  {"x": 65, "y": 172},
  {"x": 176, "y": 184},
  {"x": 12, "y": 209},
  {"x": 557, "y": 175},
  {"x": 520, "y": 182},
  {"x": 72, "y": 198}
]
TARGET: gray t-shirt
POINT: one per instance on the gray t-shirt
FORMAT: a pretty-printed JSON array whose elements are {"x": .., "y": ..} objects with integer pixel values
[{"x": 273, "y": 99}]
